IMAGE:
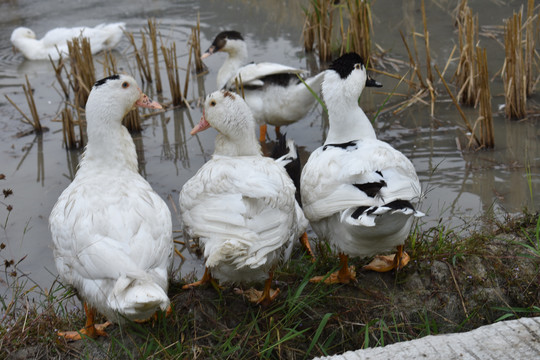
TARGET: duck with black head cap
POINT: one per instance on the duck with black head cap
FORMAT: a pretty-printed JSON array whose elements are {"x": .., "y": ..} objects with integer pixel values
[{"x": 358, "y": 192}]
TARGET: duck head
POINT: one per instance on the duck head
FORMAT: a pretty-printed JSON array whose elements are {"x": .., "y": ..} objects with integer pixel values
[
  {"x": 348, "y": 72},
  {"x": 22, "y": 33},
  {"x": 226, "y": 41},
  {"x": 118, "y": 94},
  {"x": 229, "y": 114}
]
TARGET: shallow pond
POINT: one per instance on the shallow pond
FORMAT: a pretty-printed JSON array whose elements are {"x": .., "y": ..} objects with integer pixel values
[{"x": 458, "y": 186}]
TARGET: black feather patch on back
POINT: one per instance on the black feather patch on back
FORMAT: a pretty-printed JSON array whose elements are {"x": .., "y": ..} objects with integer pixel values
[
  {"x": 104, "y": 80},
  {"x": 371, "y": 189},
  {"x": 344, "y": 65},
  {"x": 360, "y": 210},
  {"x": 400, "y": 204},
  {"x": 280, "y": 79},
  {"x": 351, "y": 145},
  {"x": 395, "y": 205}
]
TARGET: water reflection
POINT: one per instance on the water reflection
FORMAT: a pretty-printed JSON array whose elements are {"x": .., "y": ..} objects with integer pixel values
[
  {"x": 40, "y": 176},
  {"x": 457, "y": 185},
  {"x": 72, "y": 162}
]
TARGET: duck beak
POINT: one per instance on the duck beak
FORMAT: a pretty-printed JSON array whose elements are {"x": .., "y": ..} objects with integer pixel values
[
  {"x": 201, "y": 126},
  {"x": 370, "y": 82},
  {"x": 145, "y": 102},
  {"x": 208, "y": 52}
]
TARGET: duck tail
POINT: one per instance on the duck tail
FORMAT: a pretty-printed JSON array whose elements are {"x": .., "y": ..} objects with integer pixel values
[
  {"x": 138, "y": 299},
  {"x": 230, "y": 251}
]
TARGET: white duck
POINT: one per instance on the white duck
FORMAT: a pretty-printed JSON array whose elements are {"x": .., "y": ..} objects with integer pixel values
[
  {"x": 112, "y": 234},
  {"x": 102, "y": 37},
  {"x": 357, "y": 192},
  {"x": 274, "y": 93},
  {"x": 240, "y": 205}
]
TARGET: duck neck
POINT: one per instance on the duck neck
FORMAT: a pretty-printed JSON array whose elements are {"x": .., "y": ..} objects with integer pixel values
[
  {"x": 347, "y": 121},
  {"x": 31, "y": 48},
  {"x": 237, "y": 57},
  {"x": 109, "y": 142},
  {"x": 247, "y": 146}
]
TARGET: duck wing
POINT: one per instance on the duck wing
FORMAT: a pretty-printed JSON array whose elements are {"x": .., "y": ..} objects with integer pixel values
[
  {"x": 241, "y": 210},
  {"x": 101, "y": 37},
  {"x": 360, "y": 180},
  {"x": 103, "y": 232},
  {"x": 256, "y": 74}
]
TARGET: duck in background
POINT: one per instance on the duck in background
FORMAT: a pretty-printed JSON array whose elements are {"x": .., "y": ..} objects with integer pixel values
[
  {"x": 112, "y": 234},
  {"x": 274, "y": 92},
  {"x": 240, "y": 206},
  {"x": 358, "y": 192},
  {"x": 54, "y": 43}
]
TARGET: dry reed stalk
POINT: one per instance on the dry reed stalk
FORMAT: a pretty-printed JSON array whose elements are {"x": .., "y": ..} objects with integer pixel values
[
  {"x": 394, "y": 76},
  {"x": 429, "y": 79},
  {"x": 195, "y": 43},
  {"x": 82, "y": 74},
  {"x": 34, "y": 117},
  {"x": 413, "y": 64},
  {"x": 171, "y": 64},
  {"x": 141, "y": 56},
  {"x": 472, "y": 136},
  {"x": 308, "y": 32},
  {"x": 426, "y": 41},
  {"x": 68, "y": 130},
  {"x": 109, "y": 64},
  {"x": 485, "y": 119},
  {"x": 459, "y": 11},
  {"x": 465, "y": 75},
  {"x": 32, "y": 105},
  {"x": 153, "y": 34},
  {"x": 318, "y": 26},
  {"x": 58, "y": 67},
  {"x": 239, "y": 86},
  {"x": 513, "y": 73},
  {"x": 530, "y": 46},
  {"x": 186, "y": 80},
  {"x": 132, "y": 121},
  {"x": 359, "y": 30}
]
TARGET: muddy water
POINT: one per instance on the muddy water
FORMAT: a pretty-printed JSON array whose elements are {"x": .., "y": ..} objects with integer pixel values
[{"x": 458, "y": 186}]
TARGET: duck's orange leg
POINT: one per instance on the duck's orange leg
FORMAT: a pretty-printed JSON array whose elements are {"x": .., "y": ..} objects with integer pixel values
[
  {"x": 344, "y": 275},
  {"x": 383, "y": 263},
  {"x": 264, "y": 297},
  {"x": 207, "y": 277},
  {"x": 90, "y": 329},
  {"x": 305, "y": 241},
  {"x": 262, "y": 136}
]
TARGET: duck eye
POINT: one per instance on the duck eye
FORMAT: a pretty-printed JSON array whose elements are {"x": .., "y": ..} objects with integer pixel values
[
  {"x": 125, "y": 84},
  {"x": 358, "y": 66},
  {"x": 213, "y": 103}
]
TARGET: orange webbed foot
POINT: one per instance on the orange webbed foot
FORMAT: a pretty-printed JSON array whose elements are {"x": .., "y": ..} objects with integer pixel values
[
  {"x": 93, "y": 331},
  {"x": 338, "y": 277},
  {"x": 384, "y": 263}
]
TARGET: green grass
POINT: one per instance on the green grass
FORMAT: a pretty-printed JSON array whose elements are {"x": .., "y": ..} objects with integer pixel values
[{"x": 307, "y": 319}]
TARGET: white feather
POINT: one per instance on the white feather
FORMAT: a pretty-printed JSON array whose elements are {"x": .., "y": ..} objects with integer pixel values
[
  {"x": 112, "y": 234},
  {"x": 240, "y": 205},
  {"x": 54, "y": 43}
]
